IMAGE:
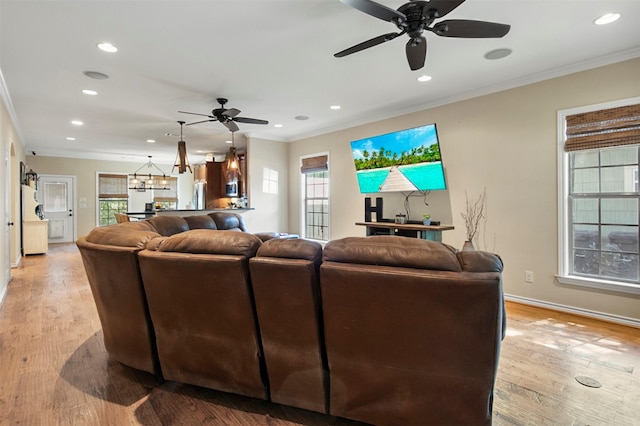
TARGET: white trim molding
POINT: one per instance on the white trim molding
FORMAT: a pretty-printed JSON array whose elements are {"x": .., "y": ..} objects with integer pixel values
[{"x": 618, "y": 319}]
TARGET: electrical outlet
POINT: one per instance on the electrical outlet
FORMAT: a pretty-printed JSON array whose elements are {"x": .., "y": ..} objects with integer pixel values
[{"x": 528, "y": 276}]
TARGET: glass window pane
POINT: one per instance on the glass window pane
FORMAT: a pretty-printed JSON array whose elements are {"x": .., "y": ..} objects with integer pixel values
[
  {"x": 618, "y": 179},
  {"x": 585, "y": 181},
  {"x": 620, "y": 211},
  {"x": 585, "y": 236},
  {"x": 620, "y": 238},
  {"x": 55, "y": 197},
  {"x": 618, "y": 156},
  {"x": 619, "y": 266},
  {"x": 586, "y": 262},
  {"x": 584, "y": 159},
  {"x": 585, "y": 210}
]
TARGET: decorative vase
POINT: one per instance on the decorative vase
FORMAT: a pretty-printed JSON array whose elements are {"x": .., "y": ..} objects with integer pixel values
[
  {"x": 468, "y": 246},
  {"x": 426, "y": 222}
]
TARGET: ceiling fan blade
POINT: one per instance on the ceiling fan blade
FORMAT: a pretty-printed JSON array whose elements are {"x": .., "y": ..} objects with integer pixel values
[
  {"x": 250, "y": 120},
  {"x": 231, "y": 126},
  {"x": 470, "y": 29},
  {"x": 367, "y": 44},
  {"x": 195, "y": 113},
  {"x": 442, "y": 7},
  {"x": 376, "y": 10},
  {"x": 203, "y": 121},
  {"x": 416, "y": 52},
  {"x": 231, "y": 112}
]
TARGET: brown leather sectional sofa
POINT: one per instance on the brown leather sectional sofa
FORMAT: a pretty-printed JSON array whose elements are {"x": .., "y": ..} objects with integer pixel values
[{"x": 385, "y": 330}]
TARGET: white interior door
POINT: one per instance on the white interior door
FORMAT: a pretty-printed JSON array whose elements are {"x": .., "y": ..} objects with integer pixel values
[{"x": 57, "y": 195}]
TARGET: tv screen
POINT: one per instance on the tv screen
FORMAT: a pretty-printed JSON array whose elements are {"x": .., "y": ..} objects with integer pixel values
[{"x": 406, "y": 160}]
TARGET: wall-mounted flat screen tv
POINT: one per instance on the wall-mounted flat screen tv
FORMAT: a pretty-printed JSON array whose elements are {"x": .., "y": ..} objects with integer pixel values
[{"x": 406, "y": 160}]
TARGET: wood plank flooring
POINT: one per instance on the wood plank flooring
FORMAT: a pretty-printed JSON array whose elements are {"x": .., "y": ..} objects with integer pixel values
[{"x": 54, "y": 369}]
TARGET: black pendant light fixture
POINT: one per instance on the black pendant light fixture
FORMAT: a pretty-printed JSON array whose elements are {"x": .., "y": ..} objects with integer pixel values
[{"x": 182, "y": 162}]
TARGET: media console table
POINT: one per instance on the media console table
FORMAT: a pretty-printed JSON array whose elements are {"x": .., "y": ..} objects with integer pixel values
[{"x": 426, "y": 232}]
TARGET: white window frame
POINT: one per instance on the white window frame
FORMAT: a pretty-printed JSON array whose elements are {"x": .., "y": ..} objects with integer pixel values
[
  {"x": 564, "y": 242},
  {"x": 303, "y": 198}
]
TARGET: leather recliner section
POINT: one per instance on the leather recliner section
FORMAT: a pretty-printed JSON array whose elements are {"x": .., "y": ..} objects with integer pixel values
[{"x": 285, "y": 281}]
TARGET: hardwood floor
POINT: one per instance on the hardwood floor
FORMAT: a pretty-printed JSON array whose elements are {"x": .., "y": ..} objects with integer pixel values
[{"x": 54, "y": 369}]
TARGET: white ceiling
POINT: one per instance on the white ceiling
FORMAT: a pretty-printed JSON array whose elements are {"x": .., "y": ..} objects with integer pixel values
[{"x": 273, "y": 60}]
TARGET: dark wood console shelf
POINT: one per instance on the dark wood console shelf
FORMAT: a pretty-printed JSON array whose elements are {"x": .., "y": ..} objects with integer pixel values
[{"x": 426, "y": 232}]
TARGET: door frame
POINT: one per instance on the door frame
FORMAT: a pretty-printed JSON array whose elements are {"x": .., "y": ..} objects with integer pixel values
[{"x": 74, "y": 201}]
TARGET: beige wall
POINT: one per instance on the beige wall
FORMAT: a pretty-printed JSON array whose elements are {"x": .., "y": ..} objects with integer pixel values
[
  {"x": 12, "y": 155},
  {"x": 507, "y": 143},
  {"x": 270, "y": 214}
]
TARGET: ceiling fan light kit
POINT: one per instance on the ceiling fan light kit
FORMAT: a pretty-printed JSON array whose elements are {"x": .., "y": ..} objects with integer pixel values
[{"x": 414, "y": 18}]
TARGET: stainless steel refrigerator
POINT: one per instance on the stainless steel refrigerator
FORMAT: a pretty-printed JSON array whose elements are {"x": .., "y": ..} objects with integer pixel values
[{"x": 200, "y": 195}]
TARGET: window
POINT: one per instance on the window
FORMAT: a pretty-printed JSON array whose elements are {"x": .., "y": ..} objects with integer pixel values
[
  {"x": 113, "y": 197},
  {"x": 315, "y": 173},
  {"x": 165, "y": 198},
  {"x": 599, "y": 198}
]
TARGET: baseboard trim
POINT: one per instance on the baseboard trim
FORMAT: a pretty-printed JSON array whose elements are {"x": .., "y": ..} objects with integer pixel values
[{"x": 632, "y": 322}]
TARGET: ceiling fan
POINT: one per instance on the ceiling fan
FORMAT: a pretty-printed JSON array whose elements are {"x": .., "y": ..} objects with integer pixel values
[
  {"x": 415, "y": 17},
  {"x": 228, "y": 117}
]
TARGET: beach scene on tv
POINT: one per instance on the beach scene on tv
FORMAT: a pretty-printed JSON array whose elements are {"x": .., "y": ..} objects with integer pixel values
[{"x": 407, "y": 160}]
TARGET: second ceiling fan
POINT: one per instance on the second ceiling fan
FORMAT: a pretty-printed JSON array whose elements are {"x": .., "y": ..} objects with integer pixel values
[
  {"x": 414, "y": 18},
  {"x": 227, "y": 116}
]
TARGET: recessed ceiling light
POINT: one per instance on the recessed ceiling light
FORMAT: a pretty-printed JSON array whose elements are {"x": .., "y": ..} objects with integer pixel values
[
  {"x": 69, "y": 138},
  {"x": 335, "y": 107},
  {"x": 277, "y": 125},
  {"x": 77, "y": 123},
  {"x": 424, "y": 78},
  {"x": 498, "y": 53},
  {"x": 96, "y": 75},
  {"x": 89, "y": 92},
  {"x": 228, "y": 141},
  {"x": 151, "y": 140},
  {"x": 607, "y": 19},
  {"x": 107, "y": 47},
  {"x": 301, "y": 117}
]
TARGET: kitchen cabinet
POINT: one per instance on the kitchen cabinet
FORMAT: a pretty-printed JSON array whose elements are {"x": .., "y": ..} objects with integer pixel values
[{"x": 217, "y": 183}]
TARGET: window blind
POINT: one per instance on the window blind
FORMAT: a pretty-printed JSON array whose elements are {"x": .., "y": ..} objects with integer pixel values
[
  {"x": 166, "y": 196},
  {"x": 315, "y": 164},
  {"x": 603, "y": 128},
  {"x": 112, "y": 186}
]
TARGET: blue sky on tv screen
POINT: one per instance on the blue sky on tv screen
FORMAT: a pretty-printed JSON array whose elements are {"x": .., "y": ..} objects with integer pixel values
[{"x": 397, "y": 142}]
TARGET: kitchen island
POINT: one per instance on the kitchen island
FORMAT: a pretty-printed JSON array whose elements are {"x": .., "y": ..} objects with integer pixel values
[{"x": 181, "y": 212}]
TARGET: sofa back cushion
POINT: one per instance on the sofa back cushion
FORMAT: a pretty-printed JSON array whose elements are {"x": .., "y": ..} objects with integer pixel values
[
  {"x": 202, "y": 221},
  {"x": 126, "y": 234},
  {"x": 229, "y": 221},
  {"x": 208, "y": 241},
  {"x": 393, "y": 251},
  {"x": 169, "y": 225}
]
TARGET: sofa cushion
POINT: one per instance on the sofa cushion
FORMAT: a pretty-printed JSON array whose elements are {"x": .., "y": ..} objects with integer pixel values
[
  {"x": 200, "y": 222},
  {"x": 392, "y": 251},
  {"x": 230, "y": 221},
  {"x": 169, "y": 225},
  {"x": 207, "y": 241},
  {"x": 291, "y": 249},
  {"x": 479, "y": 261},
  {"x": 127, "y": 234}
]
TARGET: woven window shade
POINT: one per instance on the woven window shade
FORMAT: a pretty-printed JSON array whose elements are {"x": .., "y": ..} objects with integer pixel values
[
  {"x": 603, "y": 128},
  {"x": 315, "y": 164},
  {"x": 166, "y": 196},
  {"x": 112, "y": 186}
]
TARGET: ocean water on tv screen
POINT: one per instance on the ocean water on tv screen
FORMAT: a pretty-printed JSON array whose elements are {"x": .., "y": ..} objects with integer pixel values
[{"x": 425, "y": 176}]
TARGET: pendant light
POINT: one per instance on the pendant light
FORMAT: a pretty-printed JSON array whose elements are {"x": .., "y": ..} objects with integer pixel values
[
  {"x": 148, "y": 181},
  {"x": 182, "y": 162},
  {"x": 233, "y": 163}
]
